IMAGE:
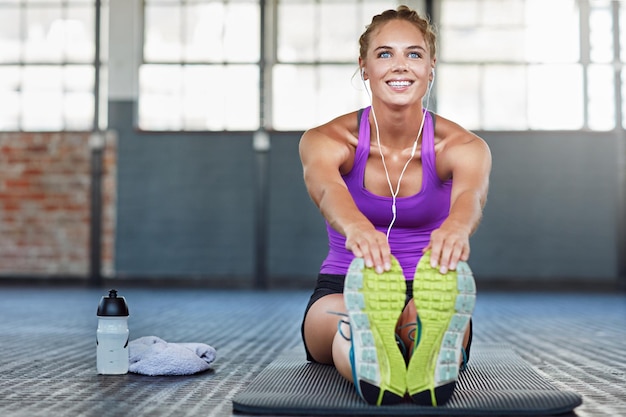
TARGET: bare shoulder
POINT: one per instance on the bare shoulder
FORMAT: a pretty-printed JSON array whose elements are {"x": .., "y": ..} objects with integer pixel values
[
  {"x": 460, "y": 151},
  {"x": 451, "y": 136},
  {"x": 341, "y": 129},
  {"x": 334, "y": 141}
]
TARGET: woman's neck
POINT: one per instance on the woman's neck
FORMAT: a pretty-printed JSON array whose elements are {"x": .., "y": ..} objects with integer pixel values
[{"x": 398, "y": 128}]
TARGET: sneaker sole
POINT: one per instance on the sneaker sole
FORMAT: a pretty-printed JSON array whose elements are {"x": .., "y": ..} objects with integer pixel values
[
  {"x": 444, "y": 304},
  {"x": 374, "y": 303}
]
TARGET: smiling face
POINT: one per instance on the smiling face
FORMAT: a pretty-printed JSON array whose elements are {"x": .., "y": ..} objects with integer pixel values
[{"x": 398, "y": 63}]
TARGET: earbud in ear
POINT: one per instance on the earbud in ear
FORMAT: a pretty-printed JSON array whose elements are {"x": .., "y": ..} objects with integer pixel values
[
  {"x": 432, "y": 80},
  {"x": 363, "y": 74}
]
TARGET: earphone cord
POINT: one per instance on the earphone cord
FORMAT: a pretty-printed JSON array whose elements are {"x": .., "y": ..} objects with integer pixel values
[{"x": 395, "y": 193}]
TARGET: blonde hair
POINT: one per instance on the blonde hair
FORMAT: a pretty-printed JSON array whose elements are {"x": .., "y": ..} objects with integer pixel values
[{"x": 401, "y": 13}]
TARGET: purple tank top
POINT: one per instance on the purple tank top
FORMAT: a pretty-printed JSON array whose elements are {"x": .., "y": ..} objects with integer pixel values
[{"x": 417, "y": 215}]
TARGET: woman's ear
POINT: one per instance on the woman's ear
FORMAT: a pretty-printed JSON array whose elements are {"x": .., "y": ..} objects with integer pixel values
[{"x": 362, "y": 69}]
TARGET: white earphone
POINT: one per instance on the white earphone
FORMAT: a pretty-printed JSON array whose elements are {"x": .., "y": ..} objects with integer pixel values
[{"x": 394, "y": 193}]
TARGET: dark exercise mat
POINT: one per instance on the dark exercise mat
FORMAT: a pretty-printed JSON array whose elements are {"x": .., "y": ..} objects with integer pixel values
[{"x": 497, "y": 382}]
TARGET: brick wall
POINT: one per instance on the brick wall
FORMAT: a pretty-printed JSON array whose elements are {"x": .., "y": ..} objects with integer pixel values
[{"x": 45, "y": 204}]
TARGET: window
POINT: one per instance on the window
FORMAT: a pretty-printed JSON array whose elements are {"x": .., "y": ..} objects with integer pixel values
[
  {"x": 527, "y": 64},
  {"x": 502, "y": 64},
  {"x": 47, "y": 71},
  {"x": 316, "y": 60},
  {"x": 600, "y": 71},
  {"x": 201, "y": 65}
]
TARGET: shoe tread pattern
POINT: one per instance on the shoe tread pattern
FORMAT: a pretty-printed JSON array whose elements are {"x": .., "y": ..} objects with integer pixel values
[
  {"x": 374, "y": 303},
  {"x": 444, "y": 304}
]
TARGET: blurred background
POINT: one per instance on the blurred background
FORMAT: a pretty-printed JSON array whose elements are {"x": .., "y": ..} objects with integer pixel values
[{"x": 156, "y": 141}]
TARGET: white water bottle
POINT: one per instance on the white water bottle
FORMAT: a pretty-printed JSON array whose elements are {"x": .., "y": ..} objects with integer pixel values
[{"x": 112, "y": 335}]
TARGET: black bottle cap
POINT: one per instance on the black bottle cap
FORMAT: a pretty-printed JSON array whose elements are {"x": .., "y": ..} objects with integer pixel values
[{"x": 112, "y": 306}]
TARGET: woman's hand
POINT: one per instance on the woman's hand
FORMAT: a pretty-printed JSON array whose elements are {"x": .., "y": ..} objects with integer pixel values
[
  {"x": 326, "y": 152},
  {"x": 466, "y": 159},
  {"x": 364, "y": 241},
  {"x": 448, "y": 245}
]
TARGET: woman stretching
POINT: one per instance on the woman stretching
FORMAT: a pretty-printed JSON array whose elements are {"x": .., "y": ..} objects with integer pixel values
[{"x": 401, "y": 190}]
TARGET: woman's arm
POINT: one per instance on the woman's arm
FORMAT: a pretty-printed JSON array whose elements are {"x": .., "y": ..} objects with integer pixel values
[
  {"x": 326, "y": 152},
  {"x": 467, "y": 159}
]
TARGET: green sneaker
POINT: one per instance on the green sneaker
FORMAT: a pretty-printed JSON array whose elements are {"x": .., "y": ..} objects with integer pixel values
[
  {"x": 444, "y": 304},
  {"x": 374, "y": 303}
]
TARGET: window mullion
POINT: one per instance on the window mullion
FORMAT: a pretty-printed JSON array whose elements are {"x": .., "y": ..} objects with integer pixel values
[
  {"x": 97, "y": 62},
  {"x": 266, "y": 59},
  {"x": 617, "y": 66},
  {"x": 585, "y": 46}
]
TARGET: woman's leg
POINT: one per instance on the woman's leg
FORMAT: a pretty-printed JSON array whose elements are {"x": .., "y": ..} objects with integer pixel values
[
  {"x": 324, "y": 343},
  {"x": 371, "y": 303},
  {"x": 444, "y": 305},
  {"x": 407, "y": 325}
]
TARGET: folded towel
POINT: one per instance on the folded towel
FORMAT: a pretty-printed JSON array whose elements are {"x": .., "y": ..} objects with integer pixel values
[{"x": 153, "y": 356}]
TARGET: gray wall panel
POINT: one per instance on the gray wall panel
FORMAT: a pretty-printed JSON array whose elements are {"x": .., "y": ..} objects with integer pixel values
[
  {"x": 186, "y": 206},
  {"x": 552, "y": 208},
  {"x": 297, "y": 231},
  {"x": 185, "y": 202}
]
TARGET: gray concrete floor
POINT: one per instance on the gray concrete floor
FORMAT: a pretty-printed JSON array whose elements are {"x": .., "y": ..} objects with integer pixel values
[{"x": 48, "y": 353}]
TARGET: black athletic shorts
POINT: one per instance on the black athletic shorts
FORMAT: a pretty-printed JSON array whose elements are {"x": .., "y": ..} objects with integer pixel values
[{"x": 333, "y": 284}]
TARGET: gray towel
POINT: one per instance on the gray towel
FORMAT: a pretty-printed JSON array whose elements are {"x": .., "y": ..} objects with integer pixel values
[{"x": 153, "y": 356}]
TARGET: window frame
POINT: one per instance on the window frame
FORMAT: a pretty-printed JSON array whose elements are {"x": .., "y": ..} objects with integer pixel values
[
  {"x": 23, "y": 64},
  {"x": 266, "y": 112}
]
